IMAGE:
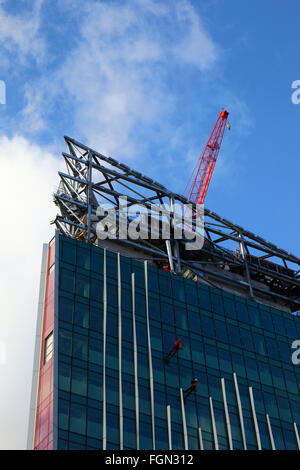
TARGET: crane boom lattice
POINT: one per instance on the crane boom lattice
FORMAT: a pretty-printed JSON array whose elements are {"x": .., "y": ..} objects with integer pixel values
[{"x": 197, "y": 186}]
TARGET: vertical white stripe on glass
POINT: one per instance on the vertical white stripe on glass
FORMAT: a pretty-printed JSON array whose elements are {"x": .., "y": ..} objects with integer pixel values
[
  {"x": 226, "y": 414},
  {"x": 149, "y": 355},
  {"x": 104, "y": 438},
  {"x": 169, "y": 427},
  {"x": 185, "y": 435},
  {"x": 255, "y": 418},
  {"x": 240, "y": 410},
  {"x": 214, "y": 428},
  {"x": 297, "y": 435},
  {"x": 270, "y": 433},
  {"x": 200, "y": 439},
  {"x": 135, "y": 365}
]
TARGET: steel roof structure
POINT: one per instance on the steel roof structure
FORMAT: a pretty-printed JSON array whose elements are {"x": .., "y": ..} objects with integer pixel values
[{"x": 231, "y": 255}]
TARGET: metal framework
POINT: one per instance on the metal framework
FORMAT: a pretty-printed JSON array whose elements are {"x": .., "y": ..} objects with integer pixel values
[{"x": 231, "y": 255}]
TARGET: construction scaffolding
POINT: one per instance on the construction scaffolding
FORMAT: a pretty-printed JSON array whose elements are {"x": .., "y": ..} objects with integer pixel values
[{"x": 231, "y": 256}]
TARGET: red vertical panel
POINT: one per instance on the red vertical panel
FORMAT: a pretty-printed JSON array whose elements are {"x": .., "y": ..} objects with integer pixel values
[{"x": 43, "y": 439}]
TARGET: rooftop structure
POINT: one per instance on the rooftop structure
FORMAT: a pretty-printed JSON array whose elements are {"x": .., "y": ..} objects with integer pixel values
[{"x": 232, "y": 256}]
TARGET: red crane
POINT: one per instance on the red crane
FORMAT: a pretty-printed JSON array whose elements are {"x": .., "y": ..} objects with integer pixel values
[{"x": 197, "y": 186}]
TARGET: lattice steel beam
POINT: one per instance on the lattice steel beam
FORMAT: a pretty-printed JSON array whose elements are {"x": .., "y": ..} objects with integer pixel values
[{"x": 255, "y": 265}]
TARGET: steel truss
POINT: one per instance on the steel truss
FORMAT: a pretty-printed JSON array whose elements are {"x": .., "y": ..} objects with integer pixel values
[{"x": 230, "y": 255}]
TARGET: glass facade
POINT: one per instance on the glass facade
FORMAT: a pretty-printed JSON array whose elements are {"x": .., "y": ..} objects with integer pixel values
[{"x": 114, "y": 389}]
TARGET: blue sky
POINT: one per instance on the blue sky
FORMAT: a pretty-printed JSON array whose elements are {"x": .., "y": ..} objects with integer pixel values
[{"x": 142, "y": 81}]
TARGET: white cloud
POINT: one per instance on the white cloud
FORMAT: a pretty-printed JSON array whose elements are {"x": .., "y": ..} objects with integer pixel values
[
  {"x": 196, "y": 47},
  {"x": 32, "y": 119},
  {"x": 116, "y": 79},
  {"x": 20, "y": 35},
  {"x": 27, "y": 208}
]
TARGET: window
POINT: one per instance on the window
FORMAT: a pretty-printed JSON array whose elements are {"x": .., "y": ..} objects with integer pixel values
[
  {"x": 67, "y": 280},
  {"x": 48, "y": 347}
]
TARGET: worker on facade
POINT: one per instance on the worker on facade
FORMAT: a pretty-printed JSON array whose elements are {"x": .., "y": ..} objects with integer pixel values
[
  {"x": 177, "y": 346},
  {"x": 192, "y": 388}
]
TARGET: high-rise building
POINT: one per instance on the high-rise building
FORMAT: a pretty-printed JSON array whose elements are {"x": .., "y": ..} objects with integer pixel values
[{"x": 110, "y": 371}]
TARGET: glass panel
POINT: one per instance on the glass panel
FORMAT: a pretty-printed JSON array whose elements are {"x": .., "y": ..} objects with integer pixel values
[
  {"x": 65, "y": 342},
  {"x": 83, "y": 257},
  {"x": 259, "y": 344},
  {"x": 152, "y": 280},
  {"x": 279, "y": 324},
  {"x": 94, "y": 386},
  {"x": 234, "y": 336},
  {"x": 164, "y": 280},
  {"x": 229, "y": 307},
  {"x": 254, "y": 315},
  {"x": 211, "y": 356},
  {"x": 97, "y": 261},
  {"x": 68, "y": 252},
  {"x": 82, "y": 285},
  {"x": 252, "y": 371},
  {"x": 154, "y": 308},
  {"x": 129, "y": 433},
  {"x": 217, "y": 304},
  {"x": 64, "y": 376},
  {"x": 242, "y": 312},
  {"x": 81, "y": 316},
  {"x": 178, "y": 289},
  {"x": 207, "y": 326},
  {"x": 128, "y": 395},
  {"x": 181, "y": 317},
  {"x": 78, "y": 418},
  {"x": 225, "y": 360},
  {"x": 94, "y": 421},
  {"x": 79, "y": 381},
  {"x": 67, "y": 280},
  {"x": 167, "y": 313},
  {"x": 204, "y": 298},
  {"x": 221, "y": 331},
  {"x": 112, "y": 390},
  {"x": 80, "y": 347},
  {"x": 63, "y": 414},
  {"x": 96, "y": 319},
  {"x": 95, "y": 351},
  {"x": 191, "y": 294},
  {"x": 96, "y": 289},
  {"x": 246, "y": 339},
  {"x": 66, "y": 309}
]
